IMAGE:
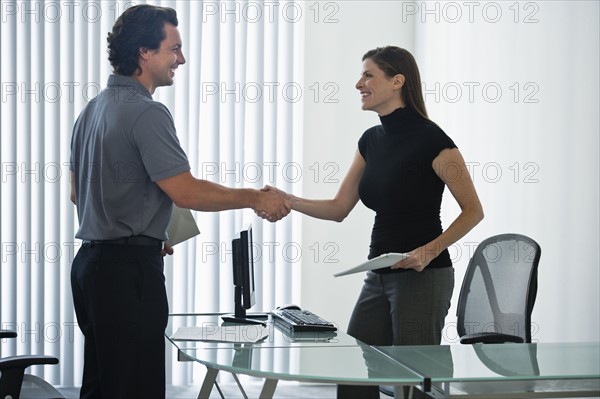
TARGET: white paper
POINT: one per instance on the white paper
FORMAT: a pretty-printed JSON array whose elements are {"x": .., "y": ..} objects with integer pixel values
[
  {"x": 182, "y": 227},
  {"x": 385, "y": 260},
  {"x": 245, "y": 333}
]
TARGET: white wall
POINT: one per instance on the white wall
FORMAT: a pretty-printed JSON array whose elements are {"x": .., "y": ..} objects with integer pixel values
[
  {"x": 333, "y": 52},
  {"x": 534, "y": 159}
]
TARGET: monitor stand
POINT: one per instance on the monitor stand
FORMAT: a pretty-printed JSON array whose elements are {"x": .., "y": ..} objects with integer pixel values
[
  {"x": 248, "y": 319},
  {"x": 241, "y": 317}
]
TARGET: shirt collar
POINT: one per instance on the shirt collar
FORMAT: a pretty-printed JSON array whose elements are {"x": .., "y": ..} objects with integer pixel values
[
  {"x": 398, "y": 120},
  {"x": 120, "y": 80}
]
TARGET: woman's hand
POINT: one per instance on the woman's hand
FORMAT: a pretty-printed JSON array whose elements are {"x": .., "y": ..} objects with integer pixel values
[{"x": 417, "y": 259}]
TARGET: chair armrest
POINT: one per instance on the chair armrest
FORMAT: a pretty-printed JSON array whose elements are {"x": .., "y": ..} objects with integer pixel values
[
  {"x": 25, "y": 361},
  {"x": 490, "y": 338},
  {"x": 7, "y": 334},
  {"x": 12, "y": 370}
]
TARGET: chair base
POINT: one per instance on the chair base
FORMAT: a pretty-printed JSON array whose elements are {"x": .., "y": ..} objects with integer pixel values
[{"x": 36, "y": 388}]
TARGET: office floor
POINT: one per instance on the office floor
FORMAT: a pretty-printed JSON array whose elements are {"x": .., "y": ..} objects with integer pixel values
[{"x": 285, "y": 390}]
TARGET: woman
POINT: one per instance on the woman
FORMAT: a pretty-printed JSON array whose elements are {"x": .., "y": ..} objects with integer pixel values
[{"x": 400, "y": 170}]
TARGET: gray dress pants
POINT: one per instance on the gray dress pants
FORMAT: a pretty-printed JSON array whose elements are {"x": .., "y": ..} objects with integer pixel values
[{"x": 405, "y": 308}]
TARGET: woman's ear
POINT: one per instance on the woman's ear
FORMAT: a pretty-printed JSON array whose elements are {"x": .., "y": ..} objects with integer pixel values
[{"x": 399, "y": 80}]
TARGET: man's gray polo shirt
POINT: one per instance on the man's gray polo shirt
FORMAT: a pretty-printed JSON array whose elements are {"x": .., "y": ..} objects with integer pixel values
[{"x": 123, "y": 142}]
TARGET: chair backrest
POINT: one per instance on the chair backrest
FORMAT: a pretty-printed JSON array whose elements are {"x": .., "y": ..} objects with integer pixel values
[{"x": 500, "y": 286}]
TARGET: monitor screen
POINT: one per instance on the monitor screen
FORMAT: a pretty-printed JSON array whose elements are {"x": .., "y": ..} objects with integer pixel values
[
  {"x": 247, "y": 267},
  {"x": 243, "y": 280}
]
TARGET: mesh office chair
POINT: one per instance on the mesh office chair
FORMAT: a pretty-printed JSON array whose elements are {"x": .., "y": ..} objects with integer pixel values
[
  {"x": 499, "y": 290},
  {"x": 497, "y": 298},
  {"x": 495, "y": 305},
  {"x": 15, "y": 384}
]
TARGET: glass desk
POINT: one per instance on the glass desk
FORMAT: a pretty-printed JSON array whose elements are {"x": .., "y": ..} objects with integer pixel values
[
  {"x": 502, "y": 370},
  {"x": 505, "y": 370},
  {"x": 276, "y": 338},
  {"x": 310, "y": 357}
]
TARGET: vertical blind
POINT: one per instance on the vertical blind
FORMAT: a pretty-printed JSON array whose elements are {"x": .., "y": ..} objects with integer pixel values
[{"x": 237, "y": 105}]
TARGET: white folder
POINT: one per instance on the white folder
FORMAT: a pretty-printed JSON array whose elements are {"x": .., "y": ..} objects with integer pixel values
[{"x": 385, "y": 260}]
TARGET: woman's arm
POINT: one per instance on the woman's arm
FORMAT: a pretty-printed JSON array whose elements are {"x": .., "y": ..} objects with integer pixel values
[
  {"x": 339, "y": 207},
  {"x": 449, "y": 165}
]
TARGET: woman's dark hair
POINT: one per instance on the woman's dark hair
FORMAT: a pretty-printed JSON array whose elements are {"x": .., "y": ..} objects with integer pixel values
[
  {"x": 395, "y": 60},
  {"x": 140, "y": 26}
]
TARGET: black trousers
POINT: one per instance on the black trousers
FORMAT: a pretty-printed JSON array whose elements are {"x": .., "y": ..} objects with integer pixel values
[{"x": 121, "y": 306}]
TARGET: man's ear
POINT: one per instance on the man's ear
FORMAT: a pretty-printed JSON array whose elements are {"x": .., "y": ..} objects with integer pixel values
[
  {"x": 399, "y": 80},
  {"x": 144, "y": 53}
]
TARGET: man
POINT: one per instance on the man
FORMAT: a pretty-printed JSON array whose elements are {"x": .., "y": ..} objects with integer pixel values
[{"x": 127, "y": 170}]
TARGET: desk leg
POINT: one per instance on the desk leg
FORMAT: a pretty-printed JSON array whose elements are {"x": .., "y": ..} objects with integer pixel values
[
  {"x": 268, "y": 389},
  {"x": 404, "y": 391},
  {"x": 208, "y": 383},
  {"x": 239, "y": 384}
]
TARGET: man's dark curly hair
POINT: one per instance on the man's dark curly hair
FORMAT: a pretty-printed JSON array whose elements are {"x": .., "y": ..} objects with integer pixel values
[{"x": 140, "y": 26}]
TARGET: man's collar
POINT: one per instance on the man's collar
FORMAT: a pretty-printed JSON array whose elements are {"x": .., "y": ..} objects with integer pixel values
[{"x": 121, "y": 80}]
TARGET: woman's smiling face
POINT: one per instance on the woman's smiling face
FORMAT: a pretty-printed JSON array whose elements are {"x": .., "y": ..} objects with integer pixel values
[{"x": 379, "y": 92}]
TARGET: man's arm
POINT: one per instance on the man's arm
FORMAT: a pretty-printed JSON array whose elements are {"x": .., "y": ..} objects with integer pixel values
[
  {"x": 73, "y": 194},
  {"x": 188, "y": 192}
]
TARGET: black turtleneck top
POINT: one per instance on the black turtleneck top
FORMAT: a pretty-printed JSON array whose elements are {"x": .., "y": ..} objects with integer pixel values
[{"x": 400, "y": 184}]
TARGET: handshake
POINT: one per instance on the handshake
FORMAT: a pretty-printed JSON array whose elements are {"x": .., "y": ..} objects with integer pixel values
[{"x": 273, "y": 204}]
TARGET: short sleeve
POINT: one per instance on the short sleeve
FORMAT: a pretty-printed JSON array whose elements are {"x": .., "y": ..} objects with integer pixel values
[
  {"x": 363, "y": 142},
  {"x": 156, "y": 140},
  {"x": 437, "y": 141}
]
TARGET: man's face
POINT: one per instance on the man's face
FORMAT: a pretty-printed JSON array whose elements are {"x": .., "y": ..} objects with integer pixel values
[{"x": 161, "y": 63}]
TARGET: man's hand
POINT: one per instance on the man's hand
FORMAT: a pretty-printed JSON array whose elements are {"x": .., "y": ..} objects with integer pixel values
[
  {"x": 278, "y": 191},
  {"x": 272, "y": 206},
  {"x": 167, "y": 249}
]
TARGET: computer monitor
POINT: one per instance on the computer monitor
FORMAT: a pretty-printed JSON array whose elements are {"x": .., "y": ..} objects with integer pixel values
[
  {"x": 243, "y": 280},
  {"x": 243, "y": 271}
]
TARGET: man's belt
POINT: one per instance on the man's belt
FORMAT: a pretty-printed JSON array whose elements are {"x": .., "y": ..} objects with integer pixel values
[{"x": 133, "y": 240}]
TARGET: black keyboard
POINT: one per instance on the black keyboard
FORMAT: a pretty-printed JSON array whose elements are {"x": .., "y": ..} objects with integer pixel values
[{"x": 297, "y": 320}]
